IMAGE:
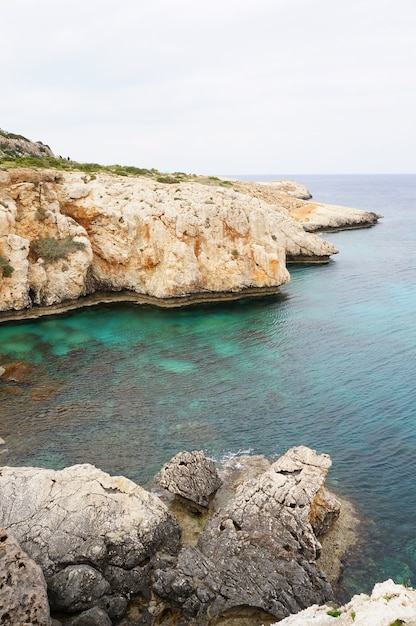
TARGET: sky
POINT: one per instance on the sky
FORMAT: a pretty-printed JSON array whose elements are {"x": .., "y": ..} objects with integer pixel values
[{"x": 215, "y": 87}]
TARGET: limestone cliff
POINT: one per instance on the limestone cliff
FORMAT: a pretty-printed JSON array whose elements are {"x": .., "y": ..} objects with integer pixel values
[
  {"x": 65, "y": 234},
  {"x": 314, "y": 216}
]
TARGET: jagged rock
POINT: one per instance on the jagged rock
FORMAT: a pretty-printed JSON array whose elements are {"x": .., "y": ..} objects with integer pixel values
[
  {"x": 92, "y": 617},
  {"x": 23, "y": 597},
  {"x": 65, "y": 519},
  {"x": 389, "y": 605},
  {"x": 258, "y": 551},
  {"x": 190, "y": 475},
  {"x": 324, "y": 512}
]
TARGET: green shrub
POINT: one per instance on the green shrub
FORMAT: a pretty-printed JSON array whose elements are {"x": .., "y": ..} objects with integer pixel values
[
  {"x": 334, "y": 612},
  {"x": 41, "y": 213},
  {"x": 50, "y": 249},
  {"x": 5, "y": 266}
]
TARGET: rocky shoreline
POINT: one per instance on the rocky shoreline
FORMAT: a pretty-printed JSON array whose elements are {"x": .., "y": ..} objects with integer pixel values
[
  {"x": 202, "y": 547},
  {"x": 68, "y": 239},
  {"x": 243, "y": 545}
]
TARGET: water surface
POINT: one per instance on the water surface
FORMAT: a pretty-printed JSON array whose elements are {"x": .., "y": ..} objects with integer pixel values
[{"x": 329, "y": 363}]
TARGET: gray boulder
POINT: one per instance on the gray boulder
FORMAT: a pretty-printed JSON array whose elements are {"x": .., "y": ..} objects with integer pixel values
[
  {"x": 81, "y": 515},
  {"x": 258, "y": 551},
  {"x": 190, "y": 475},
  {"x": 92, "y": 617},
  {"x": 23, "y": 597},
  {"x": 76, "y": 588}
]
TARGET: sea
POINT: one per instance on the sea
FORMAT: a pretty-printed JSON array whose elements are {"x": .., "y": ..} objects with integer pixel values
[{"x": 329, "y": 362}]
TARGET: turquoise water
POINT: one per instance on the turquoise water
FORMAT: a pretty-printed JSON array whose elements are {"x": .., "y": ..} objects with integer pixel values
[{"x": 329, "y": 363}]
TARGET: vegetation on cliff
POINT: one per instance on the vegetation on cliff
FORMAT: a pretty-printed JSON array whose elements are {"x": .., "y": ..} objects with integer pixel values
[{"x": 18, "y": 151}]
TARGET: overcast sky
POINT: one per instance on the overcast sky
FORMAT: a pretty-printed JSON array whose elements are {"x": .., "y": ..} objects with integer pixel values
[{"x": 215, "y": 87}]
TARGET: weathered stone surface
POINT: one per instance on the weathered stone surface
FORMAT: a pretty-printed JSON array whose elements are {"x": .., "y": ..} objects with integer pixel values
[
  {"x": 91, "y": 617},
  {"x": 145, "y": 237},
  {"x": 76, "y": 588},
  {"x": 190, "y": 475},
  {"x": 389, "y": 604},
  {"x": 258, "y": 550},
  {"x": 314, "y": 216},
  {"x": 324, "y": 512},
  {"x": 291, "y": 188},
  {"x": 66, "y": 519},
  {"x": 23, "y": 597},
  {"x": 12, "y": 145}
]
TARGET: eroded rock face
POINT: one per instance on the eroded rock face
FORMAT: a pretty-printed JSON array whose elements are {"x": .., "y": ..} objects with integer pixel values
[
  {"x": 94, "y": 536},
  {"x": 23, "y": 597},
  {"x": 389, "y": 604},
  {"x": 314, "y": 216},
  {"x": 258, "y": 551},
  {"x": 148, "y": 238},
  {"x": 191, "y": 476}
]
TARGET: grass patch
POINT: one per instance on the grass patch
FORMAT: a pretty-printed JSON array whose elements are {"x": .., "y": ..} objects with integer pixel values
[
  {"x": 50, "y": 249},
  {"x": 334, "y": 612},
  {"x": 5, "y": 266}
]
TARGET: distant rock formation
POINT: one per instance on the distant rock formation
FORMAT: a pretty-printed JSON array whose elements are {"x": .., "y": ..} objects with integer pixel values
[
  {"x": 14, "y": 146},
  {"x": 314, "y": 216}
]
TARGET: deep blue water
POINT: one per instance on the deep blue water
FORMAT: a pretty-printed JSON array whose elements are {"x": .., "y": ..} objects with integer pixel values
[{"x": 329, "y": 363}]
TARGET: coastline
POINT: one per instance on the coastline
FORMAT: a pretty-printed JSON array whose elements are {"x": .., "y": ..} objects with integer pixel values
[{"x": 134, "y": 298}]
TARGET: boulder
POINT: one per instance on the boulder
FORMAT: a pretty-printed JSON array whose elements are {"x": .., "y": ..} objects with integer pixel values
[
  {"x": 23, "y": 597},
  {"x": 190, "y": 475},
  {"x": 258, "y": 551},
  {"x": 324, "y": 511},
  {"x": 93, "y": 535},
  {"x": 92, "y": 617}
]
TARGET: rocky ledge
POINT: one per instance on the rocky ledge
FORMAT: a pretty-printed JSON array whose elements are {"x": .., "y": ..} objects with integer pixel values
[
  {"x": 204, "y": 548},
  {"x": 389, "y": 605},
  {"x": 67, "y": 236}
]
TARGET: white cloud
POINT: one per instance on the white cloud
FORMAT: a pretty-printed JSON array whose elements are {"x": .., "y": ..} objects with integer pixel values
[{"x": 226, "y": 86}]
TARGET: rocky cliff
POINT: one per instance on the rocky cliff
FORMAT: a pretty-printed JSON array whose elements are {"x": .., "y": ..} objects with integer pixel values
[{"x": 66, "y": 234}]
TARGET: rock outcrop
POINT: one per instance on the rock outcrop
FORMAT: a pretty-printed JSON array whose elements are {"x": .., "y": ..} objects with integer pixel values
[
  {"x": 64, "y": 235},
  {"x": 111, "y": 552},
  {"x": 389, "y": 605},
  {"x": 258, "y": 551},
  {"x": 191, "y": 476},
  {"x": 314, "y": 216},
  {"x": 23, "y": 597},
  {"x": 12, "y": 146},
  {"x": 97, "y": 538}
]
